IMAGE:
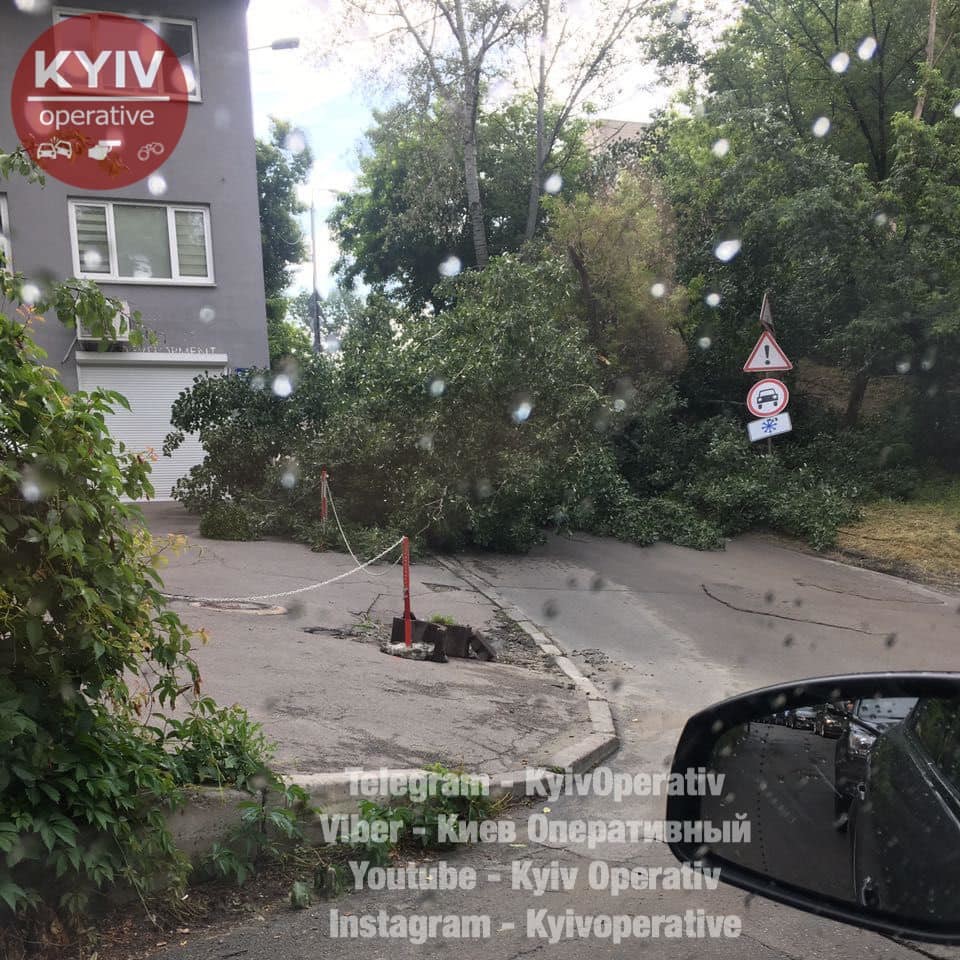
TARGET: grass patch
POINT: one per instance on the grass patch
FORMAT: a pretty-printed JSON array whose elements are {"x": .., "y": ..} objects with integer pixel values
[{"x": 919, "y": 537}]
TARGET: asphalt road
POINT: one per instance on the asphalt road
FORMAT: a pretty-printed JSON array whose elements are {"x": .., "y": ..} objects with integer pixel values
[{"x": 667, "y": 631}]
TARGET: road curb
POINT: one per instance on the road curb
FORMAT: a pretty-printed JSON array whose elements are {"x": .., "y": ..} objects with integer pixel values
[
  {"x": 210, "y": 813},
  {"x": 603, "y": 741}
]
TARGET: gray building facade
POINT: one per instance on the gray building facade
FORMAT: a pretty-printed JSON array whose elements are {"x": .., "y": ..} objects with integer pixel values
[{"x": 198, "y": 287}]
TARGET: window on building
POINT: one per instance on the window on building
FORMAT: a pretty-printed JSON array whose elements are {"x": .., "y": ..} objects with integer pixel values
[
  {"x": 141, "y": 242},
  {"x": 5, "y": 250},
  {"x": 180, "y": 35}
]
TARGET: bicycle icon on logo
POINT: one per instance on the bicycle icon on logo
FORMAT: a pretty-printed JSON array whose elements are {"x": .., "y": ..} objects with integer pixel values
[{"x": 149, "y": 150}]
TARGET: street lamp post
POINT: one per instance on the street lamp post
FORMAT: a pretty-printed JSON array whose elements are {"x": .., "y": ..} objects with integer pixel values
[{"x": 284, "y": 43}]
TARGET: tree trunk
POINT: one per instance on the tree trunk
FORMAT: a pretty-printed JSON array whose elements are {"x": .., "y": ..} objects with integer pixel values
[
  {"x": 470, "y": 108},
  {"x": 931, "y": 58},
  {"x": 533, "y": 206},
  {"x": 858, "y": 390}
]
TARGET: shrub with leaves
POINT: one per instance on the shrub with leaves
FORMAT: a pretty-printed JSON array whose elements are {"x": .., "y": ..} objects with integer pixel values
[{"x": 87, "y": 646}]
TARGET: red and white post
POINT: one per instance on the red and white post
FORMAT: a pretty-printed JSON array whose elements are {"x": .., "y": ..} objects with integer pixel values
[{"x": 407, "y": 624}]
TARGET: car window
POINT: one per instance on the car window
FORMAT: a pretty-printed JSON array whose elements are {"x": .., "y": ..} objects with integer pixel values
[{"x": 936, "y": 724}]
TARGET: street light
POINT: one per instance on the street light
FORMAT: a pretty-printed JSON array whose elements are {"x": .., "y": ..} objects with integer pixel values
[{"x": 284, "y": 43}]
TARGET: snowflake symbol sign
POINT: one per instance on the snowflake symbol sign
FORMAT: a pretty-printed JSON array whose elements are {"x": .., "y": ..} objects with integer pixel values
[{"x": 769, "y": 425}]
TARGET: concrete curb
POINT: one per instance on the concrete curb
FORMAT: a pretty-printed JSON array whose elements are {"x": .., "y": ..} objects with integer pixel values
[
  {"x": 210, "y": 813},
  {"x": 603, "y": 741}
]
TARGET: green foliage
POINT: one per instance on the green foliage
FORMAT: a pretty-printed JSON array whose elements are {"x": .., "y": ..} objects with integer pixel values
[
  {"x": 226, "y": 521},
  {"x": 87, "y": 646},
  {"x": 283, "y": 162},
  {"x": 409, "y": 211}
]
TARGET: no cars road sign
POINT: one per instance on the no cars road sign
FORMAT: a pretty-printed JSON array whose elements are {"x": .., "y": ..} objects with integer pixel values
[{"x": 768, "y": 397}]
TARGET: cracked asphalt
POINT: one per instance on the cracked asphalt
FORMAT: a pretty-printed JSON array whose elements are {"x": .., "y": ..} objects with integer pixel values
[{"x": 664, "y": 632}]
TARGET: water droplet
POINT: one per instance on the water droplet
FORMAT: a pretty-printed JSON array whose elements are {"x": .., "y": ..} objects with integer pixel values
[
  {"x": 704, "y": 343},
  {"x": 221, "y": 118},
  {"x": 189, "y": 78},
  {"x": 788, "y": 640},
  {"x": 288, "y": 479},
  {"x": 903, "y": 366},
  {"x": 712, "y": 299},
  {"x": 450, "y": 267},
  {"x": 726, "y": 250},
  {"x": 437, "y": 387},
  {"x": 30, "y": 490},
  {"x": 867, "y": 48},
  {"x": 619, "y": 405},
  {"x": 425, "y": 443},
  {"x": 553, "y": 183},
  {"x": 282, "y": 385},
  {"x": 295, "y": 141},
  {"x": 521, "y": 412},
  {"x": 331, "y": 344},
  {"x": 598, "y": 583},
  {"x": 157, "y": 184},
  {"x": 207, "y": 314},
  {"x": 484, "y": 488},
  {"x": 32, "y": 6},
  {"x": 658, "y": 290},
  {"x": 821, "y": 126},
  {"x": 92, "y": 259},
  {"x": 956, "y": 110},
  {"x": 550, "y": 609},
  {"x": 880, "y": 219},
  {"x": 258, "y": 382},
  {"x": 721, "y": 148},
  {"x": 30, "y": 294},
  {"x": 839, "y": 62},
  {"x": 890, "y": 640}
]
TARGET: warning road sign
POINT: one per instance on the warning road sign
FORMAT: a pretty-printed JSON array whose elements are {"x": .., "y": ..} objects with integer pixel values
[
  {"x": 768, "y": 397},
  {"x": 767, "y": 356}
]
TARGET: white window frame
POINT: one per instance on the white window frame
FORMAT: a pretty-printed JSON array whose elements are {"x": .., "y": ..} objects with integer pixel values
[
  {"x": 62, "y": 13},
  {"x": 6, "y": 244},
  {"x": 113, "y": 276}
]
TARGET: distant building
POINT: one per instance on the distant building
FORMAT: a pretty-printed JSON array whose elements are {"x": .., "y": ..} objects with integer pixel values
[
  {"x": 188, "y": 260},
  {"x": 605, "y": 133}
]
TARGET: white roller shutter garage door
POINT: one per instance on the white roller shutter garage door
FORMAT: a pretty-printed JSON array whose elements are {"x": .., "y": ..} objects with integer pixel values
[{"x": 151, "y": 383}]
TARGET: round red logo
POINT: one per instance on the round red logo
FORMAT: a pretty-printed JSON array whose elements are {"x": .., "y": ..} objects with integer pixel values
[{"x": 100, "y": 101}]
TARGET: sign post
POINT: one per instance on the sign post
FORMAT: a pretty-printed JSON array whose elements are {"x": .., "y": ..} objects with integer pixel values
[
  {"x": 323, "y": 494},
  {"x": 767, "y": 399}
]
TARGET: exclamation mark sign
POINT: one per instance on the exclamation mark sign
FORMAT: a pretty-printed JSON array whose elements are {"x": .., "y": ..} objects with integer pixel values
[{"x": 766, "y": 352}]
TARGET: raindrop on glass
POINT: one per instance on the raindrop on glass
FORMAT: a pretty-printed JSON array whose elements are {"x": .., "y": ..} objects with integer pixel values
[
  {"x": 207, "y": 314},
  {"x": 92, "y": 259},
  {"x": 450, "y": 267},
  {"x": 704, "y": 343},
  {"x": 839, "y": 62},
  {"x": 726, "y": 250},
  {"x": 867, "y": 48},
  {"x": 295, "y": 141},
  {"x": 721, "y": 148},
  {"x": 30, "y": 490},
  {"x": 157, "y": 184},
  {"x": 550, "y": 609},
  {"x": 425, "y": 443},
  {"x": 903, "y": 366},
  {"x": 553, "y": 183},
  {"x": 484, "y": 488},
  {"x": 437, "y": 387},
  {"x": 890, "y": 640},
  {"x": 221, "y": 118},
  {"x": 956, "y": 110},
  {"x": 189, "y": 78},
  {"x": 619, "y": 405},
  {"x": 288, "y": 479},
  {"x": 331, "y": 344},
  {"x": 598, "y": 583},
  {"x": 712, "y": 299},
  {"x": 658, "y": 290},
  {"x": 880, "y": 219},
  {"x": 821, "y": 126},
  {"x": 282, "y": 385},
  {"x": 30, "y": 294},
  {"x": 258, "y": 383},
  {"x": 32, "y": 6},
  {"x": 521, "y": 412}
]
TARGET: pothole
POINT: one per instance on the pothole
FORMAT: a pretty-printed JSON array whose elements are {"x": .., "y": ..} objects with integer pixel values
[
  {"x": 241, "y": 606},
  {"x": 335, "y": 632}
]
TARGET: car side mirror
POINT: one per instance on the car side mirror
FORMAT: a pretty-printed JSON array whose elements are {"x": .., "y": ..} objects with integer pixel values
[{"x": 860, "y": 824}]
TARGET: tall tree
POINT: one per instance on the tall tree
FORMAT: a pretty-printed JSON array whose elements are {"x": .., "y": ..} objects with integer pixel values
[{"x": 284, "y": 162}]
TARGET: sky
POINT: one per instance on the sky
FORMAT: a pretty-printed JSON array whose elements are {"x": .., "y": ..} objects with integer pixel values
[{"x": 327, "y": 104}]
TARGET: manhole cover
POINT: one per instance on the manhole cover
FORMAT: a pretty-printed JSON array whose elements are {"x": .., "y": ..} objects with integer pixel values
[{"x": 241, "y": 606}]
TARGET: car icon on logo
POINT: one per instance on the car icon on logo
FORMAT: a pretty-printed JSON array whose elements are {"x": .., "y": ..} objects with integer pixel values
[{"x": 767, "y": 396}]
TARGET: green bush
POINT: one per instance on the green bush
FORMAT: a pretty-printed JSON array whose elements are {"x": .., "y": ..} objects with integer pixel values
[
  {"x": 226, "y": 521},
  {"x": 87, "y": 649}
]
